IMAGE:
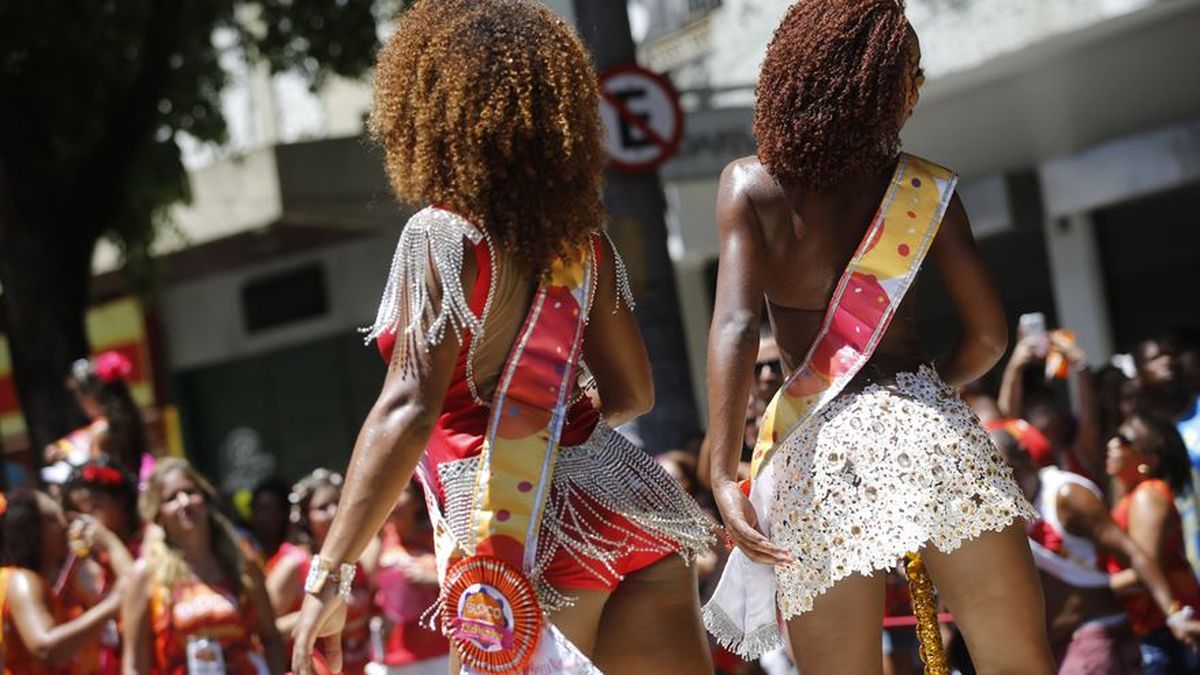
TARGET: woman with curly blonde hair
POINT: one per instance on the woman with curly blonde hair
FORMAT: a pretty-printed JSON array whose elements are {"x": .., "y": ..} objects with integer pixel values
[
  {"x": 194, "y": 598},
  {"x": 866, "y": 454},
  {"x": 553, "y": 533}
]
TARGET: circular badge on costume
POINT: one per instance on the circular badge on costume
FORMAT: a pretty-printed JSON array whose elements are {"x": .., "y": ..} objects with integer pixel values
[{"x": 491, "y": 612}]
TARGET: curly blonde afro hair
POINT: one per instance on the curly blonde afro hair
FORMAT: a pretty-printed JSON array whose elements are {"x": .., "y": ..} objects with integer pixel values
[
  {"x": 832, "y": 91},
  {"x": 490, "y": 108}
]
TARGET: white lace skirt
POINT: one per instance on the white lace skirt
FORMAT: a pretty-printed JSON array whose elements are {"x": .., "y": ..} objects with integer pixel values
[{"x": 879, "y": 473}]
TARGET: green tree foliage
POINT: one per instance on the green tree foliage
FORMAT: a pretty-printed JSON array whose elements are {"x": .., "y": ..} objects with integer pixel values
[{"x": 94, "y": 97}]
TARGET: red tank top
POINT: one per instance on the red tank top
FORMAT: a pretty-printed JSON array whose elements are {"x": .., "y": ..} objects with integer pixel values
[
  {"x": 462, "y": 426},
  {"x": 194, "y": 608},
  {"x": 1143, "y": 612}
]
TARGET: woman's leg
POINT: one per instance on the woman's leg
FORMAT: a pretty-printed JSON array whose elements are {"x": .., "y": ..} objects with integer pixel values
[
  {"x": 652, "y": 624},
  {"x": 992, "y": 588},
  {"x": 843, "y": 632}
]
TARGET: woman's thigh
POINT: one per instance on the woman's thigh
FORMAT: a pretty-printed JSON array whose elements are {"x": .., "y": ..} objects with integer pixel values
[
  {"x": 652, "y": 624},
  {"x": 843, "y": 632},
  {"x": 992, "y": 588}
]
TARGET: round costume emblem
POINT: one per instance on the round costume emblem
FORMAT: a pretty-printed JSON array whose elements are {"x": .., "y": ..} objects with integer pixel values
[{"x": 491, "y": 612}]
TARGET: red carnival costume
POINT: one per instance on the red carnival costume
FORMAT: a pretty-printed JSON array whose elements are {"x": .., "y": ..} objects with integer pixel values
[{"x": 531, "y": 488}]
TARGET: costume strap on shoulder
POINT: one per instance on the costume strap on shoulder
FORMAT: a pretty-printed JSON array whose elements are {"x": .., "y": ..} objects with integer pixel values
[
  {"x": 431, "y": 245},
  {"x": 624, "y": 291}
]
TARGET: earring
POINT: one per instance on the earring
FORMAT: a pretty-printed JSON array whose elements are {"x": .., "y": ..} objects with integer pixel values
[{"x": 1144, "y": 469}]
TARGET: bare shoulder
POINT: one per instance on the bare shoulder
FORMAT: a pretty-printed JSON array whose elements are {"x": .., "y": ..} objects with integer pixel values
[
  {"x": 747, "y": 177},
  {"x": 25, "y": 584}
]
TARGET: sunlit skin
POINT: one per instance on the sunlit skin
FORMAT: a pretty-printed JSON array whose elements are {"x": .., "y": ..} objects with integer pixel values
[
  {"x": 765, "y": 229},
  {"x": 29, "y": 591}
]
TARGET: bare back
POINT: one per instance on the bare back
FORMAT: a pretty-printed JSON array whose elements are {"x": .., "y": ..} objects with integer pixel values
[{"x": 808, "y": 241}]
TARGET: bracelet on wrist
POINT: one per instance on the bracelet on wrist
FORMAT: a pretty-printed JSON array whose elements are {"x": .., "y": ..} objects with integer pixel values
[{"x": 322, "y": 572}]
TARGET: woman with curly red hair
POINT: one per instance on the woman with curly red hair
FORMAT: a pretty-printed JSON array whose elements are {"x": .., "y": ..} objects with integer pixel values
[
  {"x": 554, "y": 535},
  {"x": 866, "y": 454}
]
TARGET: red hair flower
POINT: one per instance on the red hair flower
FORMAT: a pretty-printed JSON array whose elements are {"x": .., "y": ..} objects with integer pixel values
[
  {"x": 112, "y": 366},
  {"x": 102, "y": 475}
]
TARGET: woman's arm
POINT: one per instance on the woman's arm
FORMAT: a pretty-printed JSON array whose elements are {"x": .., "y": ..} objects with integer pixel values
[
  {"x": 1085, "y": 515},
  {"x": 615, "y": 352},
  {"x": 49, "y": 642},
  {"x": 984, "y": 335},
  {"x": 388, "y": 448},
  {"x": 284, "y": 585},
  {"x": 137, "y": 638},
  {"x": 1011, "y": 399},
  {"x": 732, "y": 348}
]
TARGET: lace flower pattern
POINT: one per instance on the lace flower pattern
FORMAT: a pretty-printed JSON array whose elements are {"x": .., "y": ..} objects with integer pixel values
[{"x": 880, "y": 473}]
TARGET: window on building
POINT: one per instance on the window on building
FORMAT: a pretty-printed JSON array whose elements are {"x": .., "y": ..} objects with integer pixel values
[{"x": 286, "y": 297}]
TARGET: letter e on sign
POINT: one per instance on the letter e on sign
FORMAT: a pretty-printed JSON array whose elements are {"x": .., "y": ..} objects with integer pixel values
[{"x": 642, "y": 118}]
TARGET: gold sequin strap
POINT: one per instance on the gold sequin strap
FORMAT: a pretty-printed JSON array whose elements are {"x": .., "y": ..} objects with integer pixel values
[
  {"x": 924, "y": 603},
  {"x": 865, "y": 300}
]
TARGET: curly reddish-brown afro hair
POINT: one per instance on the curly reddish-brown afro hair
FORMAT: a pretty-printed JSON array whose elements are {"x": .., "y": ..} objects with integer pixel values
[
  {"x": 832, "y": 91},
  {"x": 490, "y": 108}
]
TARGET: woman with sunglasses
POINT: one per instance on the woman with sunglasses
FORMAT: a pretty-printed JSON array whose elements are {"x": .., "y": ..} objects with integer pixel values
[{"x": 1148, "y": 460}]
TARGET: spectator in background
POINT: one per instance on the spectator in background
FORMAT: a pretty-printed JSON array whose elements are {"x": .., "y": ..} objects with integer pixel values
[
  {"x": 269, "y": 522},
  {"x": 1075, "y": 439},
  {"x": 1148, "y": 458},
  {"x": 55, "y": 604},
  {"x": 116, "y": 426},
  {"x": 194, "y": 596},
  {"x": 1170, "y": 391},
  {"x": 407, "y": 581},
  {"x": 102, "y": 490},
  {"x": 314, "y": 501},
  {"x": 1088, "y": 627}
]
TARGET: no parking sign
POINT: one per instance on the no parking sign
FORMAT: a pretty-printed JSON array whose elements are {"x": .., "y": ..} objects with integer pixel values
[{"x": 641, "y": 114}]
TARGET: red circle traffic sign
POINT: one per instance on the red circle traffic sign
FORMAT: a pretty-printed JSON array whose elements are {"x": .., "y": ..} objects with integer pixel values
[{"x": 642, "y": 117}]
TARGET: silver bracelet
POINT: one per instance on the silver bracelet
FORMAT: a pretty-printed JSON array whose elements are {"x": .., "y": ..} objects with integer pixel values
[{"x": 320, "y": 572}]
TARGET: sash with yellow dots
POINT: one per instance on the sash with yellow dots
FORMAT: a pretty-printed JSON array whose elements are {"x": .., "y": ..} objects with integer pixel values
[
  {"x": 489, "y": 606},
  {"x": 865, "y": 300}
]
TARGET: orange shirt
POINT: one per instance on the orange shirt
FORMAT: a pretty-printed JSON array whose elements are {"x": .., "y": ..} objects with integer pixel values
[
  {"x": 194, "y": 608},
  {"x": 1143, "y": 612}
]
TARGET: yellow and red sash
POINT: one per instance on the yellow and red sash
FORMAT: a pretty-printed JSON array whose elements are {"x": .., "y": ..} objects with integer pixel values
[
  {"x": 865, "y": 300},
  {"x": 489, "y": 606},
  {"x": 742, "y": 612}
]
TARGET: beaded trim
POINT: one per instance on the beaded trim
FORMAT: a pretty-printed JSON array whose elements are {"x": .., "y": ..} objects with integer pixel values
[
  {"x": 606, "y": 471},
  {"x": 432, "y": 238},
  {"x": 624, "y": 291}
]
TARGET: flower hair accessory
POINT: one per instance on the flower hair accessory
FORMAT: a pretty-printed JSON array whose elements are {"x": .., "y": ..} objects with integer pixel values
[
  {"x": 112, "y": 366},
  {"x": 102, "y": 475}
]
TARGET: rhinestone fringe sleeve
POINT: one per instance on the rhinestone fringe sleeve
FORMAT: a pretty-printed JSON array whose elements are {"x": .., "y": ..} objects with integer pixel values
[{"x": 431, "y": 241}]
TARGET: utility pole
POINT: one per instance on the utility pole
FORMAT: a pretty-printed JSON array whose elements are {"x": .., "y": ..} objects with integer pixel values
[{"x": 637, "y": 208}]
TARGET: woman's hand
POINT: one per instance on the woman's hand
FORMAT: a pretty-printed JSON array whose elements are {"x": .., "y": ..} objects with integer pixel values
[
  {"x": 741, "y": 522},
  {"x": 322, "y": 616},
  {"x": 1185, "y": 629}
]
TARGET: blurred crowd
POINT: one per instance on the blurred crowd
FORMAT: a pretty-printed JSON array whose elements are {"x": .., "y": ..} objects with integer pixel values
[
  {"x": 127, "y": 562},
  {"x": 127, "y": 559}
]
